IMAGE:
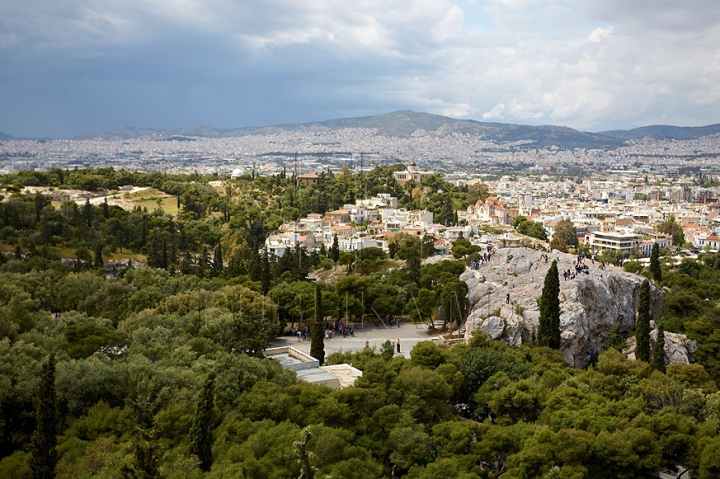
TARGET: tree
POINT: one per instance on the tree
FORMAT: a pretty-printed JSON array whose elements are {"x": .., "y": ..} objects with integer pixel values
[
  {"x": 201, "y": 432},
  {"x": 655, "y": 263},
  {"x": 477, "y": 192},
  {"x": 615, "y": 338},
  {"x": 658, "y": 353},
  {"x": 317, "y": 346},
  {"x": 334, "y": 252},
  {"x": 44, "y": 455},
  {"x": 558, "y": 244},
  {"x": 534, "y": 229},
  {"x": 566, "y": 231},
  {"x": 549, "y": 327},
  {"x": 265, "y": 273},
  {"x": 217, "y": 266},
  {"x": 98, "y": 260},
  {"x": 671, "y": 227},
  {"x": 250, "y": 333},
  {"x": 642, "y": 324},
  {"x": 304, "y": 455}
]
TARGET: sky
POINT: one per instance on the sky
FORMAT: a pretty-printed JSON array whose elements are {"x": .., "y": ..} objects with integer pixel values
[{"x": 71, "y": 66}]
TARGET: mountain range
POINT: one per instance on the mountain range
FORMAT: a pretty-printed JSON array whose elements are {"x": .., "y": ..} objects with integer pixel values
[
  {"x": 5, "y": 136},
  {"x": 413, "y": 124}
]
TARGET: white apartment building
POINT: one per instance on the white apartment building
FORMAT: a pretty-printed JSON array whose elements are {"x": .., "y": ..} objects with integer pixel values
[{"x": 620, "y": 242}]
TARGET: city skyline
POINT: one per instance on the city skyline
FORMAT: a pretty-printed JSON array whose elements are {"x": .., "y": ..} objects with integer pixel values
[{"x": 80, "y": 66}]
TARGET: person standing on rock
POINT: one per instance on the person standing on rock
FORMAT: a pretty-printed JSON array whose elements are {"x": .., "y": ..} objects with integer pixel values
[{"x": 507, "y": 298}]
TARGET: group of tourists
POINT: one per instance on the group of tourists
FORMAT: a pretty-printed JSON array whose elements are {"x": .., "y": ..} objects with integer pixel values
[
  {"x": 477, "y": 264},
  {"x": 340, "y": 328},
  {"x": 581, "y": 267}
]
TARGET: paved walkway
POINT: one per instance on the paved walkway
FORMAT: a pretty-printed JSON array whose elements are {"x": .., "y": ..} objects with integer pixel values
[{"x": 408, "y": 334}]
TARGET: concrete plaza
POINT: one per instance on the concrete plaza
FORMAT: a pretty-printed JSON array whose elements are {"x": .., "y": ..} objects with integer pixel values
[{"x": 409, "y": 335}]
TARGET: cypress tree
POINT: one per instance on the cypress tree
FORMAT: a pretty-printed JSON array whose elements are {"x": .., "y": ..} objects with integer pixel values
[
  {"x": 335, "y": 250},
  {"x": 164, "y": 255},
  {"x": 658, "y": 353},
  {"x": 549, "y": 327},
  {"x": 44, "y": 455},
  {"x": 87, "y": 212},
  {"x": 265, "y": 272},
  {"x": 217, "y": 266},
  {"x": 99, "y": 263},
  {"x": 642, "y": 324},
  {"x": 186, "y": 265},
  {"x": 202, "y": 262},
  {"x": 105, "y": 210},
  {"x": 655, "y": 263},
  {"x": 317, "y": 345},
  {"x": 201, "y": 432}
]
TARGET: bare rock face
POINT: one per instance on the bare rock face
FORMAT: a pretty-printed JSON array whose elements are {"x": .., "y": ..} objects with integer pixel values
[
  {"x": 494, "y": 327},
  {"x": 678, "y": 348},
  {"x": 509, "y": 285}
]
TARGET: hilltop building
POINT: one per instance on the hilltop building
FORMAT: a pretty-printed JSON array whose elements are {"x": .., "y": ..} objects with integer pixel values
[{"x": 412, "y": 173}]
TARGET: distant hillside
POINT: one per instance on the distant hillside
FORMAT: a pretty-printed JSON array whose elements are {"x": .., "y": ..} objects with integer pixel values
[
  {"x": 409, "y": 123},
  {"x": 122, "y": 132},
  {"x": 397, "y": 124},
  {"x": 5, "y": 136},
  {"x": 664, "y": 131}
]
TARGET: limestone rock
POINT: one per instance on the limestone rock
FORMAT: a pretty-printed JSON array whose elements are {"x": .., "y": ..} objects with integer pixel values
[
  {"x": 494, "y": 326},
  {"x": 591, "y": 304},
  {"x": 678, "y": 348}
]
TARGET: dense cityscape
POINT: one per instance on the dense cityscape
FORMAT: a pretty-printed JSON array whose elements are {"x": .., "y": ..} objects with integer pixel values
[{"x": 455, "y": 153}]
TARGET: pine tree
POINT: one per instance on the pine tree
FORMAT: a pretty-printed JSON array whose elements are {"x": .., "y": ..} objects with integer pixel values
[
  {"x": 317, "y": 346},
  {"x": 658, "y": 353},
  {"x": 549, "y": 327},
  {"x": 98, "y": 260},
  {"x": 335, "y": 250},
  {"x": 217, "y": 266},
  {"x": 642, "y": 324},
  {"x": 655, "y": 263},
  {"x": 44, "y": 455},
  {"x": 201, "y": 432}
]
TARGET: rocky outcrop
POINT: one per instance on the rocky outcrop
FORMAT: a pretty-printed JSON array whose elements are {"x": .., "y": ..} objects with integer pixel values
[
  {"x": 678, "y": 348},
  {"x": 508, "y": 286}
]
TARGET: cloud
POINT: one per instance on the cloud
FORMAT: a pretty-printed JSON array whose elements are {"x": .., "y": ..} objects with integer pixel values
[
  {"x": 83, "y": 64},
  {"x": 597, "y": 35}
]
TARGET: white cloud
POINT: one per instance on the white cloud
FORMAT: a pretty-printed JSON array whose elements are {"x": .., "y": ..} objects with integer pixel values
[
  {"x": 599, "y": 34},
  {"x": 582, "y": 63}
]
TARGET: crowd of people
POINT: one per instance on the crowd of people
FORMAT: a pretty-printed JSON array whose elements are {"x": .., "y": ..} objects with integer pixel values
[
  {"x": 340, "y": 328},
  {"x": 581, "y": 267},
  {"x": 477, "y": 264}
]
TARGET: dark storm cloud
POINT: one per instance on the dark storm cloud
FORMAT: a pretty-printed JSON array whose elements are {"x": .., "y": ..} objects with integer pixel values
[{"x": 75, "y": 65}]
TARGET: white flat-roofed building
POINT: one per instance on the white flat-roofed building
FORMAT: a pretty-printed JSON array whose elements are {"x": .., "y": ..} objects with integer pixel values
[{"x": 613, "y": 241}]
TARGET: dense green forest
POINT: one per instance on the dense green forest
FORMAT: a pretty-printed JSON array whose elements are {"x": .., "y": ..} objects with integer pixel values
[{"x": 156, "y": 371}]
